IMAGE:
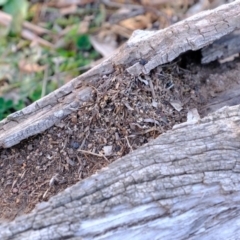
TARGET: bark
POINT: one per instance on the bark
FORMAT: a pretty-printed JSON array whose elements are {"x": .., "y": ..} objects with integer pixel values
[
  {"x": 222, "y": 48},
  {"x": 155, "y": 48},
  {"x": 227, "y": 86},
  {"x": 183, "y": 185}
]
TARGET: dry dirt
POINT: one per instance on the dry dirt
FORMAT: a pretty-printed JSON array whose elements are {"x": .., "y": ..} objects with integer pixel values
[{"x": 126, "y": 113}]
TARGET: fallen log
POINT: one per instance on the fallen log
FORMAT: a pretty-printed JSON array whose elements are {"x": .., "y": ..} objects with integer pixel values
[
  {"x": 183, "y": 185},
  {"x": 155, "y": 48},
  {"x": 223, "y": 48}
]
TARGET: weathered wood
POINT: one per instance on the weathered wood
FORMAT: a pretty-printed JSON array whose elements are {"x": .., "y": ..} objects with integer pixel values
[
  {"x": 227, "y": 89},
  {"x": 155, "y": 47},
  {"x": 183, "y": 185},
  {"x": 223, "y": 48}
]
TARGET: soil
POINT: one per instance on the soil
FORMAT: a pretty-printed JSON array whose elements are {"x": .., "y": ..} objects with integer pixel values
[{"x": 126, "y": 113}]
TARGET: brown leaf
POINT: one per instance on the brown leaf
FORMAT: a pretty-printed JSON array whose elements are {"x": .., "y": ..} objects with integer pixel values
[
  {"x": 105, "y": 46},
  {"x": 28, "y": 67},
  {"x": 139, "y": 22}
]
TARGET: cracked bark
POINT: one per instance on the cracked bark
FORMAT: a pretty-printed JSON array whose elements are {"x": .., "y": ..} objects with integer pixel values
[
  {"x": 183, "y": 185},
  {"x": 155, "y": 47}
]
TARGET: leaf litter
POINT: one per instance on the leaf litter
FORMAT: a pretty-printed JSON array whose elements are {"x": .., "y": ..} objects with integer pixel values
[{"x": 126, "y": 112}]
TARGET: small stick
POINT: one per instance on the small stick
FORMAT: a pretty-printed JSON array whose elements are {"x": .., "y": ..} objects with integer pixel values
[
  {"x": 151, "y": 86},
  {"x": 44, "y": 83},
  {"x": 129, "y": 144},
  {"x": 95, "y": 154}
]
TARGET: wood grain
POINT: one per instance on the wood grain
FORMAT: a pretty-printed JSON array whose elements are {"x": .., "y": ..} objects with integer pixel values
[
  {"x": 155, "y": 47},
  {"x": 183, "y": 185}
]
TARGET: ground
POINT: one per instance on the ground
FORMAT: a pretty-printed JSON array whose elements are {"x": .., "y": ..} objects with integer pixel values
[{"x": 126, "y": 112}]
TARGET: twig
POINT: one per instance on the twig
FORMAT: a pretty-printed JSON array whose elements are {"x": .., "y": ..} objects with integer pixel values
[
  {"x": 94, "y": 154},
  {"x": 151, "y": 87},
  {"x": 34, "y": 28},
  {"x": 45, "y": 194},
  {"x": 84, "y": 140},
  {"x": 44, "y": 84},
  {"x": 5, "y": 19},
  {"x": 66, "y": 3},
  {"x": 33, "y": 37},
  {"x": 128, "y": 144}
]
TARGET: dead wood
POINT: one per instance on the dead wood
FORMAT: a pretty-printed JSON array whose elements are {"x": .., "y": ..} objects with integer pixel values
[
  {"x": 227, "y": 90},
  {"x": 223, "y": 48},
  {"x": 183, "y": 185},
  {"x": 154, "y": 48}
]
